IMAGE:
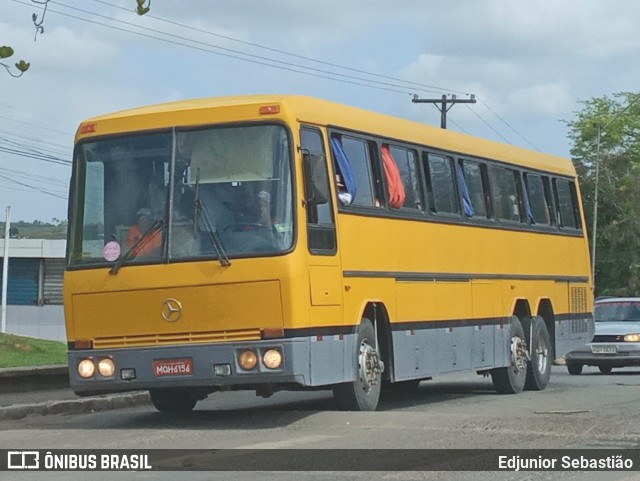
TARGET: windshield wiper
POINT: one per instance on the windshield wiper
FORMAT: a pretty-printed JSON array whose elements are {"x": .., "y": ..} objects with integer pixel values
[
  {"x": 209, "y": 226},
  {"x": 137, "y": 247}
]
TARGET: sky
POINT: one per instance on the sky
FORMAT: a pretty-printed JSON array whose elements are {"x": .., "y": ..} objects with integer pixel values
[{"x": 529, "y": 63}]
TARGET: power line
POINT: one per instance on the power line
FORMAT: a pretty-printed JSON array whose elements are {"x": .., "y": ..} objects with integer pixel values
[
  {"x": 509, "y": 125},
  {"x": 283, "y": 52},
  {"x": 35, "y": 155},
  {"x": 37, "y": 178},
  {"x": 32, "y": 187},
  {"x": 238, "y": 55},
  {"x": 53, "y": 154},
  {"x": 488, "y": 125},
  {"x": 409, "y": 87},
  {"x": 322, "y": 62},
  {"x": 35, "y": 125},
  {"x": 331, "y": 64}
]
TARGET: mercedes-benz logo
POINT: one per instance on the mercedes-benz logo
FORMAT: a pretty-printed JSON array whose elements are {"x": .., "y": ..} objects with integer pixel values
[{"x": 171, "y": 310}]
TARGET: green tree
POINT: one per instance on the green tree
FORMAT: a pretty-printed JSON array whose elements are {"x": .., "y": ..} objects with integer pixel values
[
  {"x": 21, "y": 66},
  {"x": 617, "y": 160}
]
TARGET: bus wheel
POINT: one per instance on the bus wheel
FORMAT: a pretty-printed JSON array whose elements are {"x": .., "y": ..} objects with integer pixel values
[
  {"x": 172, "y": 400},
  {"x": 363, "y": 393},
  {"x": 511, "y": 379},
  {"x": 539, "y": 367}
]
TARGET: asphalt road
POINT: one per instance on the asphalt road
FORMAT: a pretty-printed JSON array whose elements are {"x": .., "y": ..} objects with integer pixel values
[{"x": 460, "y": 411}]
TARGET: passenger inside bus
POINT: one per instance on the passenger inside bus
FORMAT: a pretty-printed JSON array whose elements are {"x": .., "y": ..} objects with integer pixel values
[
  {"x": 343, "y": 195},
  {"x": 149, "y": 247},
  {"x": 240, "y": 213}
]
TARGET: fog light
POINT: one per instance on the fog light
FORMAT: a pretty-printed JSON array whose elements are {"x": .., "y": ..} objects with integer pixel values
[
  {"x": 222, "y": 369},
  {"x": 272, "y": 359},
  {"x": 86, "y": 369},
  {"x": 106, "y": 367},
  {"x": 248, "y": 360},
  {"x": 128, "y": 374}
]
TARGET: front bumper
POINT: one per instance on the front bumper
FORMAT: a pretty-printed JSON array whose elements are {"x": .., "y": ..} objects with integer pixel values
[
  {"x": 617, "y": 354},
  {"x": 202, "y": 360}
]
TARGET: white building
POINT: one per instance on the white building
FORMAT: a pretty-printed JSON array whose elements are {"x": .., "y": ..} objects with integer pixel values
[{"x": 34, "y": 290}]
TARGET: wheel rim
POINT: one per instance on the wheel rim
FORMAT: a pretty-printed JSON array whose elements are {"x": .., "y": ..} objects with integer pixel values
[
  {"x": 542, "y": 353},
  {"x": 368, "y": 368},
  {"x": 518, "y": 354}
]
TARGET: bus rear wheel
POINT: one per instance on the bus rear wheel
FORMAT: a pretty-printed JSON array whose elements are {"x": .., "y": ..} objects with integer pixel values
[
  {"x": 511, "y": 379},
  {"x": 363, "y": 393},
  {"x": 172, "y": 400},
  {"x": 539, "y": 367}
]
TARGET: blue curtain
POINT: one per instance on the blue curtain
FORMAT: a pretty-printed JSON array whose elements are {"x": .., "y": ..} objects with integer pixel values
[
  {"x": 527, "y": 208},
  {"x": 345, "y": 168},
  {"x": 466, "y": 199}
]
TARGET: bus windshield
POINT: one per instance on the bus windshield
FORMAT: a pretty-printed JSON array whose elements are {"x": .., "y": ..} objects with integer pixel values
[{"x": 218, "y": 193}]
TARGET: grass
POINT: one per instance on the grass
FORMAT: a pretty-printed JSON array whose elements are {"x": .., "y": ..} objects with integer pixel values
[{"x": 18, "y": 351}]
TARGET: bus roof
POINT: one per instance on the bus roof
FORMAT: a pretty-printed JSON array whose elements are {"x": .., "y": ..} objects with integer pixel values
[{"x": 320, "y": 112}]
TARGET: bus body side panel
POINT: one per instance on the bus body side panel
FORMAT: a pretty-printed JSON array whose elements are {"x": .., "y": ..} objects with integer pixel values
[
  {"x": 440, "y": 349},
  {"x": 572, "y": 327}
]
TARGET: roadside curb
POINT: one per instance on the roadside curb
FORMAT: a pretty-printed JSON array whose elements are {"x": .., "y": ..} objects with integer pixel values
[
  {"x": 19, "y": 379},
  {"x": 75, "y": 406},
  {"x": 29, "y": 379}
]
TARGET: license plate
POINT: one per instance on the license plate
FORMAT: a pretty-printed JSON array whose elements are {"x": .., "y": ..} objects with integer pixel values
[
  {"x": 173, "y": 367},
  {"x": 604, "y": 349}
]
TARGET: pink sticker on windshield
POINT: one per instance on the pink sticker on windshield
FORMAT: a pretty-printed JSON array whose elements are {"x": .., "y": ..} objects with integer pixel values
[{"x": 111, "y": 251}]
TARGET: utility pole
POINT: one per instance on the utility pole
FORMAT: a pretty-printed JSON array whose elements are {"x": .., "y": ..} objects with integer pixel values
[
  {"x": 5, "y": 272},
  {"x": 443, "y": 101}
]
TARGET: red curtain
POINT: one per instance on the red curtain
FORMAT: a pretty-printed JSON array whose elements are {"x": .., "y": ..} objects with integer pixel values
[{"x": 397, "y": 194}]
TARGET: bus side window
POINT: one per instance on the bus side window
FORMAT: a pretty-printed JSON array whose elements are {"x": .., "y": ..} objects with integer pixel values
[
  {"x": 505, "y": 193},
  {"x": 476, "y": 180},
  {"x": 359, "y": 155},
  {"x": 538, "y": 199},
  {"x": 566, "y": 203},
  {"x": 321, "y": 229},
  {"x": 406, "y": 161},
  {"x": 441, "y": 184}
]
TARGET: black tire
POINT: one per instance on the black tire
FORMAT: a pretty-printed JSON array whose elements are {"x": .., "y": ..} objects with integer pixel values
[
  {"x": 574, "y": 368},
  {"x": 511, "y": 379},
  {"x": 605, "y": 369},
  {"x": 363, "y": 393},
  {"x": 540, "y": 352},
  {"x": 172, "y": 400}
]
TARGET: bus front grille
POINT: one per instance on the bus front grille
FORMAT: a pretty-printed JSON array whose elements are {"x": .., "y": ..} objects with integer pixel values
[{"x": 176, "y": 338}]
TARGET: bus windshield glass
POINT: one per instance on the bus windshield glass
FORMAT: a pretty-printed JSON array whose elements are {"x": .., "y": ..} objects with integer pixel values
[{"x": 218, "y": 193}]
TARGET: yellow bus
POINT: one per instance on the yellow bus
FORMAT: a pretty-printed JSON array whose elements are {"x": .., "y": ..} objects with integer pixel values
[{"x": 286, "y": 242}]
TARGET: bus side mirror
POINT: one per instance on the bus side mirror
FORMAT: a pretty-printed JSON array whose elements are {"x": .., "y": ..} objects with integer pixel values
[{"x": 316, "y": 179}]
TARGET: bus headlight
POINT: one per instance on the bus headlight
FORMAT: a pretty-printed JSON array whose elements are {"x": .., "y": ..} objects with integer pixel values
[
  {"x": 247, "y": 360},
  {"x": 106, "y": 367},
  {"x": 272, "y": 359},
  {"x": 86, "y": 369}
]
